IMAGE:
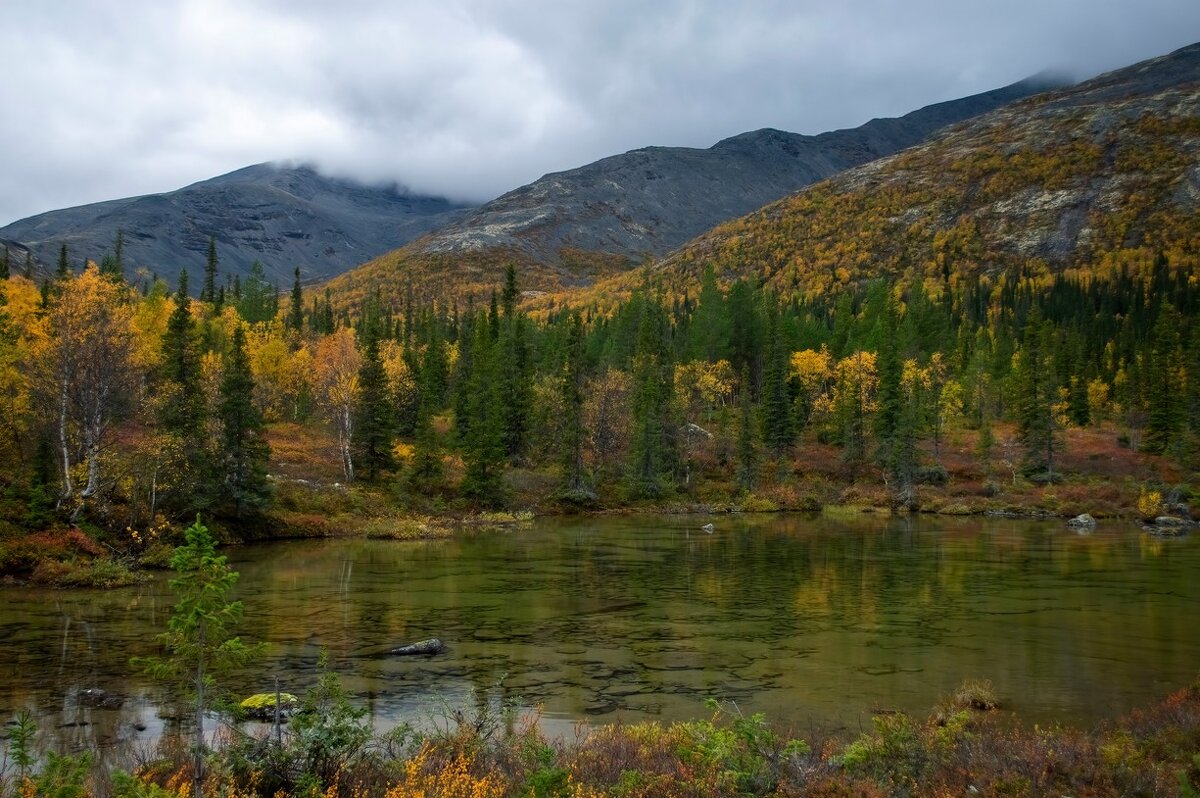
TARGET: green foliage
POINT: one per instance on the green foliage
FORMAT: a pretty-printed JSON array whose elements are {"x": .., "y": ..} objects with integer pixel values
[
  {"x": 21, "y": 732},
  {"x": 199, "y": 643},
  {"x": 328, "y": 732},
  {"x": 64, "y": 776},
  {"x": 374, "y": 415},
  {"x": 747, "y": 754},
  {"x": 245, "y": 450}
]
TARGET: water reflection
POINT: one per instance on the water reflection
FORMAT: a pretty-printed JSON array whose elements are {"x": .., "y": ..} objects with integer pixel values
[{"x": 811, "y": 620}]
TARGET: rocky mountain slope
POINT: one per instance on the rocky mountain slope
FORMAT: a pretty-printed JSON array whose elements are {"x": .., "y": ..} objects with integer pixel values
[
  {"x": 1097, "y": 178},
  {"x": 283, "y": 216},
  {"x": 569, "y": 228}
]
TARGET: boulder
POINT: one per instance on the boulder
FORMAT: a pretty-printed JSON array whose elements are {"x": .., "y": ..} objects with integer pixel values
[
  {"x": 101, "y": 699},
  {"x": 709, "y": 528},
  {"x": 1084, "y": 521},
  {"x": 261, "y": 706},
  {"x": 420, "y": 648},
  {"x": 1171, "y": 521}
]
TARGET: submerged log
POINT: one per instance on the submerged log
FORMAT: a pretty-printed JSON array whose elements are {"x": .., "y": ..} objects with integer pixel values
[{"x": 421, "y": 648}]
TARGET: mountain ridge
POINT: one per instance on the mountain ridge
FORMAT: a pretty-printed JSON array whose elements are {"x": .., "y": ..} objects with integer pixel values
[
  {"x": 285, "y": 216},
  {"x": 1097, "y": 177},
  {"x": 572, "y": 227}
]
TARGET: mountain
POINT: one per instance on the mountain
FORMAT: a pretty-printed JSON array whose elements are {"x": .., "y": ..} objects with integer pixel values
[
  {"x": 1098, "y": 180},
  {"x": 283, "y": 216},
  {"x": 568, "y": 228}
]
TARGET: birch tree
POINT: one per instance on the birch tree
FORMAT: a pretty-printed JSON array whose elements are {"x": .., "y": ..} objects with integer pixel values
[
  {"x": 336, "y": 363},
  {"x": 91, "y": 371}
]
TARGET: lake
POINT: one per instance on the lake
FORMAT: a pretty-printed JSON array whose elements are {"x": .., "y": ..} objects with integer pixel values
[{"x": 816, "y": 621}]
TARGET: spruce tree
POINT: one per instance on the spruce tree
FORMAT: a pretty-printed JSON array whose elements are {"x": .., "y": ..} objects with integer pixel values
[
  {"x": 653, "y": 445},
  {"x": 245, "y": 450},
  {"x": 779, "y": 427},
  {"x": 182, "y": 412},
  {"x": 208, "y": 291},
  {"x": 747, "y": 455},
  {"x": 1165, "y": 391},
  {"x": 5, "y": 264},
  {"x": 1036, "y": 426},
  {"x": 375, "y": 416},
  {"x": 708, "y": 329},
  {"x": 296, "y": 314},
  {"x": 28, "y": 273},
  {"x": 573, "y": 434},
  {"x": 484, "y": 451},
  {"x": 896, "y": 419},
  {"x": 119, "y": 254},
  {"x": 64, "y": 263}
]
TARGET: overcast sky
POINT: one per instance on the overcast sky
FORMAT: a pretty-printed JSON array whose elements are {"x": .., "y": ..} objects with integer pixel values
[{"x": 109, "y": 98}]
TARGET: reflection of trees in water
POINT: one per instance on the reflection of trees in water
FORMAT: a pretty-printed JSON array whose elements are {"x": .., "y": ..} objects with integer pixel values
[{"x": 651, "y": 615}]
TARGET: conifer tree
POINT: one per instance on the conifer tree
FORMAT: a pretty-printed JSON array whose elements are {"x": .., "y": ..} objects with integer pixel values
[
  {"x": 1165, "y": 391},
  {"x": 574, "y": 480},
  {"x": 708, "y": 329},
  {"x": 182, "y": 410},
  {"x": 463, "y": 371},
  {"x": 747, "y": 456},
  {"x": 484, "y": 451},
  {"x": 244, "y": 446},
  {"x": 897, "y": 416},
  {"x": 296, "y": 314},
  {"x": 208, "y": 291},
  {"x": 779, "y": 427},
  {"x": 375, "y": 416},
  {"x": 1036, "y": 426},
  {"x": 119, "y": 254},
  {"x": 652, "y": 448},
  {"x": 64, "y": 263},
  {"x": 28, "y": 273},
  {"x": 199, "y": 641},
  {"x": 5, "y": 264}
]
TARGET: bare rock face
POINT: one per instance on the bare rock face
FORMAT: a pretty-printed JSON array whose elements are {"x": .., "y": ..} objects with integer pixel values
[
  {"x": 283, "y": 216},
  {"x": 652, "y": 200}
]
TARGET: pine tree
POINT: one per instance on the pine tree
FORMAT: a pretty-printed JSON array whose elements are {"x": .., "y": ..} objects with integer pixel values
[
  {"x": 5, "y": 264},
  {"x": 208, "y": 292},
  {"x": 199, "y": 641},
  {"x": 375, "y": 416},
  {"x": 119, "y": 254},
  {"x": 708, "y": 330},
  {"x": 182, "y": 410},
  {"x": 484, "y": 451},
  {"x": 896, "y": 419},
  {"x": 64, "y": 263},
  {"x": 296, "y": 315},
  {"x": 1165, "y": 391},
  {"x": 779, "y": 426},
  {"x": 574, "y": 481},
  {"x": 652, "y": 448},
  {"x": 244, "y": 447},
  {"x": 1036, "y": 425},
  {"x": 513, "y": 365},
  {"x": 747, "y": 455},
  {"x": 28, "y": 273}
]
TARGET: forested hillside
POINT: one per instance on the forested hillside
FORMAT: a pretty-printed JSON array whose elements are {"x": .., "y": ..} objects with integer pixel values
[
  {"x": 1002, "y": 320},
  {"x": 568, "y": 229}
]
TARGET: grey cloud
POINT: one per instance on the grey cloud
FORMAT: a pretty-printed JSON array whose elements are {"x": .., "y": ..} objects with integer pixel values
[{"x": 474, "y": 97}]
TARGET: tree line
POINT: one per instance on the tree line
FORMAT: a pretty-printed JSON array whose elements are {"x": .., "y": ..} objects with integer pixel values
[{"x": 139, "y": 405}]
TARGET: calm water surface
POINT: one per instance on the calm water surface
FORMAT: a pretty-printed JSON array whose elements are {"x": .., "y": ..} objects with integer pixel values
[{"x": 811, "y": 620}]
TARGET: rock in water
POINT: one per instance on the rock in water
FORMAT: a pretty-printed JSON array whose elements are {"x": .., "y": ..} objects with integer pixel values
[
  {"x": 421, "y": 648},
  {"x": 101, "y": 699},
  {"x": 1084, "y": 521},
  {"x": 709, "y": 528}
]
